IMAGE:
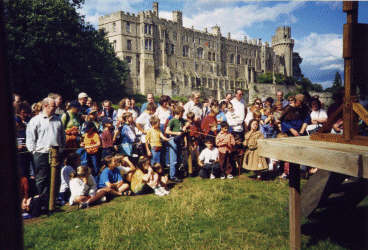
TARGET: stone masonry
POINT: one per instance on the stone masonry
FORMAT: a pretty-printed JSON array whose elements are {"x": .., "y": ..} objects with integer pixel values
[{"x": 166, "y": 58}]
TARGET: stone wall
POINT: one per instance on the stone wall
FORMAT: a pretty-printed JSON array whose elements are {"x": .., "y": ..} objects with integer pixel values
[
  {"x": 264, "y": 90},
  {"x": 324, "y": 97}
]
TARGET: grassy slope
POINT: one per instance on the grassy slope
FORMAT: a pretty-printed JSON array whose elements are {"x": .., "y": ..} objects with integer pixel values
[{"x": 198, "y": 214}]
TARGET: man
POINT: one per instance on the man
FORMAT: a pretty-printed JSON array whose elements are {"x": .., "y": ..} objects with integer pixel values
[
  {"x": 108, "y": 111},
  {"x": 228, "y": 98},
  {"x": 280, "y": 99},
  {"x": 194, "y": 106},
  {"x": 82, "y": 99},
  {"x": 44, "y": 131},
  {"x": 295, "y": 118},
  {"x": 150, "y": 99},
  {"x": 239, "y": 110},
  {"x": 16, "y": 99},
  {"x": 58, "y": 102}
]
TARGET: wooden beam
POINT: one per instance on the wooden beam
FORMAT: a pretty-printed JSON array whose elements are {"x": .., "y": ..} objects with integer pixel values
[
  {"x": 356, "y": 140},
  {"x": 332, "y": 119},
  {"x": 361, "y": 111},
  {"x": 340, "y": 158}
]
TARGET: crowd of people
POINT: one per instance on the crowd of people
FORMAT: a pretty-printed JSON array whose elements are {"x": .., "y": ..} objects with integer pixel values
[{"x": 109, "y": 152}]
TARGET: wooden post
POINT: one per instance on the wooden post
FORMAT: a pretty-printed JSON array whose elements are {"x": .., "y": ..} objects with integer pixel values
[
  {"x": 11, "y": 222},
  {"x": 294, "y": 207},
  {"x": 53, "y": 158}
]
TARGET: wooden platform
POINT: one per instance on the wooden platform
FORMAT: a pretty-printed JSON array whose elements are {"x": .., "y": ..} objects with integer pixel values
[{"x": 340, "y": 158}]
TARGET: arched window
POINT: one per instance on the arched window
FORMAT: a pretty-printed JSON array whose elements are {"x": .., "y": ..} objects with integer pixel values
[
  {"x": 238, "y": 59},
  {"x": 232, "y": 58},
  {"x": 200, "y": 53}
]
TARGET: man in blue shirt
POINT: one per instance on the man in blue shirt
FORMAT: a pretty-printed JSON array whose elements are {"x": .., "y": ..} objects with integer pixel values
[{"x": 150, "y": 99}]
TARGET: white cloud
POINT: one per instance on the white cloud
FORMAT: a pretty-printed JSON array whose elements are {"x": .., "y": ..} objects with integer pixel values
[
  {"x": 335, "y": 66},
  {"x": 324, "y": 50}
]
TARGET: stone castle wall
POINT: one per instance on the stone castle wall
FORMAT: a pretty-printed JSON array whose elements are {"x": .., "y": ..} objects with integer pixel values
[{"x": 165, "y": 57}]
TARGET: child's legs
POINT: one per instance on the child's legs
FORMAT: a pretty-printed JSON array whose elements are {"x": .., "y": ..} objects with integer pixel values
[
  {"x": 124, "y": 187},
  {"x": 204, "y": 172},
  {"x": 222, "y": 158},
  {"x": 173, "y": 149},
  {"x": 156, "y": 155},
  {"x": 100, "y": 193},
  {"x": 228, "y": 166},
  {"x": 93, "y": 163},
  {"x": 80, "y": 199}
]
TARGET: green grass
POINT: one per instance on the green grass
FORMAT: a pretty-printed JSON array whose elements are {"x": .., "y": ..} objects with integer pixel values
[{"x": 198, "y": 214}]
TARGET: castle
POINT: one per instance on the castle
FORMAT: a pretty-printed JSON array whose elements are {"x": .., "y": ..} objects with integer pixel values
[{"x": 165, "y": 57}]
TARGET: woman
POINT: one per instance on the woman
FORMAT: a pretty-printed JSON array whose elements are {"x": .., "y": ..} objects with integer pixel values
[
  {"x": 318, "y": 116},
  {"x": 125, "y": 106}
]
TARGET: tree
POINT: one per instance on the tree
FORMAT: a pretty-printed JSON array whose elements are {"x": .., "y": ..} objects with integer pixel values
[
  {"x": 336, "y": 85},
  {"x": 52, "y": 49}
]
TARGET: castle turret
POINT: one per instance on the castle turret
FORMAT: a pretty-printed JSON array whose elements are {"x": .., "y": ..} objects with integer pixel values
[
  {"x": 155, "y": 8},
  {"x": 216, "y": 30},
  {"x": 283, "y": 46},
  {"x": 178, "y": 17}
]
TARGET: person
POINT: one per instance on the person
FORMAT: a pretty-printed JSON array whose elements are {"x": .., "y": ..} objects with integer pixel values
[
  {"x": 194, "y": 106},
  {"x": 280, "y": 99},
  {"x": 256, "y": 107},
  {"x": 208, "y": 160},
  {"x": 71, "y": 117},
  {"x": 107, "y": 138},
  {"x": 228, "y": 98},
  {"x": 111, "y": 178},
  {"x": 239, "y": 110},
  {"x": 43, "y": 132},
  {"x": 82, "y": 100},
  {"x": 163, "y": 112},
  {"x": 132, "y": 106},
  {"x": 127, "y": 135},
  {"x": 125, "y": 166},
  {"x": 91, "y": 118},
  {"x": 153, "y": 140},
  {"x": 83, "y": 188},
  {"x": 210, "y": 121},
  {"x": 225, "y": 143},
  {"x": 252, "y": 161},
  {"x": 71, "y": 162},
  {"x": 221, "y": 116},
  {"x": 193, "y": 140},
  {"x": 108, "y": 112},
  {"x": 318, "y": 116},
  {"x": 89, "y": 102},
  {"x": 150, "y": 99},
  {"x": 268, "y": 126},
  {"x": 124, "y": 106},
  {"x": 150, "y": 178},
  {"x": 36, "y": 108},
  {"x": 175, "y": 129},
  {"x": 143, "y": 121},
  {"x": 162, "y": 179},
  {"x": 16, "y": 99},
  {"x": 91, "y": 142},
  {"x": 295, "y": 117},
  {"x": 59, "y": 103}
]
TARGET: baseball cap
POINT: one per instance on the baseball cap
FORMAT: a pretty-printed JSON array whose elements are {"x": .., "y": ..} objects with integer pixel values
[{"x": 82, "y": 95}]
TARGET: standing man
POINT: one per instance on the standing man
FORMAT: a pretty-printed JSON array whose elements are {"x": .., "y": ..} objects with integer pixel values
[
  {"x": 82, "y": 99},
  {"x": 228, "y": 98},
  {"x": 195, "y": 106},
  {"x": 280, "y": 99},
  {"x": 239, "y": 110},
  {"x": 108, "y": 111},
  {"x": 150, "y": 99},
  {"x": 44, "y": 131}
]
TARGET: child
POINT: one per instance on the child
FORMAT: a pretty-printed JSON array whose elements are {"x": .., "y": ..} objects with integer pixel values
[
  {"x": 127, "y": 134},
  {"x": 284, "y": 164},
  {"x": 175, "y": 129},
  {"x": 125, "y": 167},
  {"x": 153, "y": 140},
  {"x": 163, "y": 180},
  {"x": 71, "y": 162},
  {"x": 251, "y": 159},
  {"x": 107, "y": 138},
  {"x": 209, "y": 121},
  {"x": 233, "y": 119},
  {"x": 238, "y": 152},
  {"x": 150, "y": 177},
  {"x": 193, "y": 137},
  {"x": 225, "y": 143},
  {"x": 269, "y": 128},
  {"x": 83, "y": 188},
  {"x": 110, "y": 177},
  {"x": 208, "y": 160},
  {"x": 91, "y": 143}
]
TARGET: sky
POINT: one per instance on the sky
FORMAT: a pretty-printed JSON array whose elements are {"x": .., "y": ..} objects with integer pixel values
[{"x": 316, "y": 26}]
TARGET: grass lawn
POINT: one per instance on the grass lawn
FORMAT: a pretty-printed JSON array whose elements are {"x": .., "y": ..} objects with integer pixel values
[{"x": 198, "y": 214}]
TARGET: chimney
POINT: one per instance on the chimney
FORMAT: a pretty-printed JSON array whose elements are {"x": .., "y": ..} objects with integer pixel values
[{"x": 155, "y": 8}]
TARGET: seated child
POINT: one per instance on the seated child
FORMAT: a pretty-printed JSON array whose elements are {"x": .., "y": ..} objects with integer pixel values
[
  {"x": 162, "y": 179},
  {"x": 110, "y": 177},
  {"x": 153, "y": 140},
  {"x": 150, "y": 178},
  {"x": 71, "y": 162},
  {"x": 125, "y": 166},
  {"x": 83, "y": 188},
  {"x": 225, "y": 143},
  {"x": 208, "y": 160}
]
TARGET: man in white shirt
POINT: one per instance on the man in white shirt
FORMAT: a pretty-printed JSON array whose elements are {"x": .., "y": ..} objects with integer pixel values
[
  {"x": 194, "y": 106},
  {"x": 239, "y": 110},
  {"x": 208, "y": 160},
  {"x": 43, "y": 132}
]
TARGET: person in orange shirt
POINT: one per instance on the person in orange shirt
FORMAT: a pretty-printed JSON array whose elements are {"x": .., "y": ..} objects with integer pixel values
[
  {"x": 225, "y": 143},
  {"x": 91, "y": 143}
]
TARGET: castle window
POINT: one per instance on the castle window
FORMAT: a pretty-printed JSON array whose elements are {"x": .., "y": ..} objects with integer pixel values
[
  {"x": 200, "y": 53},
  {"x": 150, "y": 29},
  {"x": 238, "y": 59},
  {"x": 113, "y": 27},
  {"x": 209, "y": 56},
  {"x": 196, "y": 67},
  {"x": 128, "y": 59},
  {"x": 148, "y": 44},
  {"x": 185, "y": 51},
  {"x": 199, "y": 40},
  {"x": 172, "y": 49},
  {"x": 175, "y": 36},
  {"x": 127, "y": 27},
  {"x": 129, "y": 44},
  {"x": 147, "y": 28},
  {"x": 113, "y": 44},
  {"x": 213, "y": 57},
  {"x": 232, "y": 58},
  {"x": 211, "y": 68}
]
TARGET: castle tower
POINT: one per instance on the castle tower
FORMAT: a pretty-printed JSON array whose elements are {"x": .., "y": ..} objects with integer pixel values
[
  {"x": 155, "y": 8},
  {"x": 178, "y": 17},
  {"x": 283, "y": 46}
]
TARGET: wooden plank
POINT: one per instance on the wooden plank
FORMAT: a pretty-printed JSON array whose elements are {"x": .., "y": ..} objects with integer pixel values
[
  {"x": 332, "y": 159},
  {"x": 294, "y": 207},
  {"x": 361, "y": 111},
  {"x": 332, "y": 119},
  {"x": 339, "y": 139}
]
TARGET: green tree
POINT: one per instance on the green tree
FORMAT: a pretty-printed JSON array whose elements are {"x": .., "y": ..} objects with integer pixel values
[
  {"x": 336, "y": 85},
  {"x": 52, "y": 49}
]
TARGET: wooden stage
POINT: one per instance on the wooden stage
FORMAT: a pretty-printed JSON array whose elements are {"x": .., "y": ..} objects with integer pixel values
[{"x": 346, "y": 159}]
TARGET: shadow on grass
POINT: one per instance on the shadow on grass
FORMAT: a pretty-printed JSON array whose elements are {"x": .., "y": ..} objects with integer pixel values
[{"x": 346, "y": 227}]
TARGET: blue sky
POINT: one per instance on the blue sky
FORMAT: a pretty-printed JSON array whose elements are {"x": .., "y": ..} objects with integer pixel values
[{"x": 315, "y": 26}]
